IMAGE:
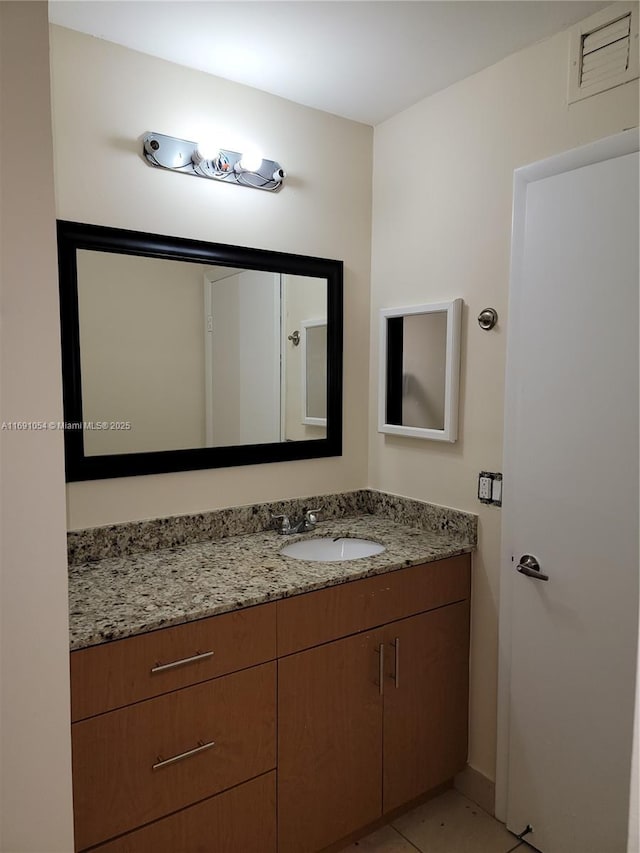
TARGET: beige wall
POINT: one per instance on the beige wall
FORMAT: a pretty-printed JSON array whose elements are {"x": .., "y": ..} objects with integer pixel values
[
  {"x": 443, "y": 231},
  {"x": 142, "y": 352},
  {"x": 35, "y": 768},
  {"x": 104, "y": 98}
]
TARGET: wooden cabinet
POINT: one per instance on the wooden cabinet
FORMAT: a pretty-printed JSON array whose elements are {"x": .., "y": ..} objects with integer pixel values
[
  {"x": 426, "y": 697},
  {"x": 329, "y": 715},
  {"x": 174, "y": 733},
  {"x": 328, "y": 614},
  {"x": 137, "y": 764},
  {"x": 372, "y": 721},
  {"x": 120, "y": 673},
  {"x": 145, "y": 760},
  {"x": 242, "y": 820}
]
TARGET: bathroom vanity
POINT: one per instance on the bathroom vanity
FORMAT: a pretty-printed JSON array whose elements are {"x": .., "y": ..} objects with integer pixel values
[
  {"x": 227, "y": 696},
  {"x": 315, "y": 699}
]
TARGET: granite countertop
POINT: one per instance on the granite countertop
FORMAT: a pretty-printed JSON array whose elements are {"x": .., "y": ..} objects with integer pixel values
[{"x": 118, "y": 597}]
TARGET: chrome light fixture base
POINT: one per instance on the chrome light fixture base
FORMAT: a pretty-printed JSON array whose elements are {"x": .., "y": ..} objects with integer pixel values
[{"x": 181, "y": 155}]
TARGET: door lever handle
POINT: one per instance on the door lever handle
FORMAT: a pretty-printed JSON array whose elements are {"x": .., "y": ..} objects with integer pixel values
[{"x": 530, "y": 567}]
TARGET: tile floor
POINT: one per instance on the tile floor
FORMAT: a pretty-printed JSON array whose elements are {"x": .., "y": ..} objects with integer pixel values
[{"x": 449, "y": 823}]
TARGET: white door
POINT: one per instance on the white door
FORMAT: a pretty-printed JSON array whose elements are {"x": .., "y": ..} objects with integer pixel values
[
  {"x": 242, "y": 358},
  {"x": 571, "y": 502}
]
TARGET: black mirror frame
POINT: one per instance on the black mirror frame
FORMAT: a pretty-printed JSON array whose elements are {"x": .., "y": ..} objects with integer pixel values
[{"x": 73, "y": 236}]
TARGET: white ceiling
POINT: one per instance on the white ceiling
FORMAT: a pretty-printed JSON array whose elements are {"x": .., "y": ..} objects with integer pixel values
[{"x": 362, "y": 59}]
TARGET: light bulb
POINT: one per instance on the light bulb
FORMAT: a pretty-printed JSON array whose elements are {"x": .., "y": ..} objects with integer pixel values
[
  {"x": 250, "y": 161},
  {"x": 205, "y": 151}
]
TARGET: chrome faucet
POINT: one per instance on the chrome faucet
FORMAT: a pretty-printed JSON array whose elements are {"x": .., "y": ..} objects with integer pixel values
[{"x": 304, "y": 525}]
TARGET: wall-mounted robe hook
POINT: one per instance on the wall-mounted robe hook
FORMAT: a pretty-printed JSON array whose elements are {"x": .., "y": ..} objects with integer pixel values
[
  {"x": 294, "y": 338},
  {"x": 487, "y": 318}
]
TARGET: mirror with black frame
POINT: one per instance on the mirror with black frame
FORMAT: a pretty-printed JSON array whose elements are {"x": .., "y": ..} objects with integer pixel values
[{"x": 180, "y": 354}]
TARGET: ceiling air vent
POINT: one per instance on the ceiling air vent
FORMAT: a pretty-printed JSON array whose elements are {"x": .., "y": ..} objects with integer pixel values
[{"x": 604, "y": 51}]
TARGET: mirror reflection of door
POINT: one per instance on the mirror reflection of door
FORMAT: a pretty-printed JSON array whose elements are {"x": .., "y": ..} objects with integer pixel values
[
  {"x": 303, "y": 298},
  {"x": 243, "y": 357}
]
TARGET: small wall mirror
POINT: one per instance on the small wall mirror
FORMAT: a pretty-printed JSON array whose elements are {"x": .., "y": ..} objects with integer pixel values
[
  {"x": 419, "y": 370},
  {"x": 314, "y": 373},
  {"x": 179, "y": 354}
]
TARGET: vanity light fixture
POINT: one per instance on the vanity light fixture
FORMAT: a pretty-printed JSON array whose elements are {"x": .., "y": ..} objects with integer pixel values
[{"x": 192, "y": 158}]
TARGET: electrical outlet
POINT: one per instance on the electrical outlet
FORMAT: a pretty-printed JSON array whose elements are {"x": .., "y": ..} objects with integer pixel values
[
  {"x": 490, "y": 488},
  {"x": 484, "y": 487}
]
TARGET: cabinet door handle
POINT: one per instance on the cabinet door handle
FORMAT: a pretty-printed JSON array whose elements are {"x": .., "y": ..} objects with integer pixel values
[
  {"x": 380, "y": 651},
  {"x": 161, "y": 667},
  {"x": 199, "y": 748},
  {"x": 396, "y": 673}
]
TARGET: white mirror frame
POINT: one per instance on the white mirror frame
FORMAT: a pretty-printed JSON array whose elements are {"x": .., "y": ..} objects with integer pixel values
[{"x": 453, "y": 310}]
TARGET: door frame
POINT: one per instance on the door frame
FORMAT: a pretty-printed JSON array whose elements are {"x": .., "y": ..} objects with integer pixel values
[{"x": 626, "y": 142}]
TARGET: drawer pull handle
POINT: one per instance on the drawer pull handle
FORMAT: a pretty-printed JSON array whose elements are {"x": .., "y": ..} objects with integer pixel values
[
  {"x": 161, "y": 667},
  {"x": 199, "y": 748}
]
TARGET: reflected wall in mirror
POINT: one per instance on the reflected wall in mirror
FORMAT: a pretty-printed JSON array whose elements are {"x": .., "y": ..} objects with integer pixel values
[
  {"x": 191, "y": 355},
  {"x": 419, "y": 370},
  {"x": 176, "y": 353}
]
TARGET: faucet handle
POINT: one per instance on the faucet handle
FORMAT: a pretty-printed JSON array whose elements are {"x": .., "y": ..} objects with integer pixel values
[
  {"x": 312, "y": 516},
  {"x": 286, "y": 524}
]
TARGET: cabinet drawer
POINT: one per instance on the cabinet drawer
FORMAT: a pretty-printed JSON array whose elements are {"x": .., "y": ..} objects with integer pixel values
[
  {"x": 118, "y": 784},
  {"x": 319, "y": 617},
  {"x": 116, "y": 674},
  {"x": 242, "y": 820}
]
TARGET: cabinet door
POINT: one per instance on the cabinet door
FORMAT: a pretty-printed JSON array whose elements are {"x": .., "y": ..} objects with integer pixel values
[
  {"x": 329, "y": 742},
  {"x": 426, "y": 697}
]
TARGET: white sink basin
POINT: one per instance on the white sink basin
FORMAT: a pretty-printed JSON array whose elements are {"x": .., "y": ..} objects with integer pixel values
[{"x": 331, "y": 550}]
